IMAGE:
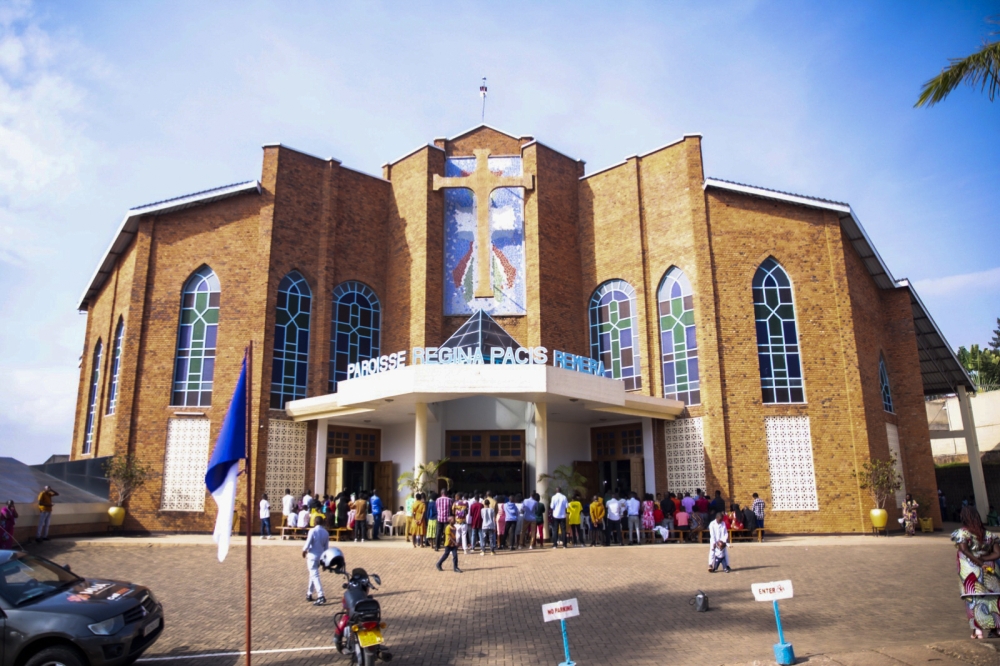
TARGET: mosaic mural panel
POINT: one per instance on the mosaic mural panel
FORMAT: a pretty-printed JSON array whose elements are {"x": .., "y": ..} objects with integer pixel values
[
  {"x": 790, "y": 459},
  {"x": 461, "y": 245},
  {"x": 286, "y": 459},
  {"x": 685, "y": 455},
  {"x": 185, "y": 464}
]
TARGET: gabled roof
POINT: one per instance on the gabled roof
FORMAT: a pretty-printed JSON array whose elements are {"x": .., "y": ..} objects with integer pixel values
[
  {"x": 127, "y": 229},
  {"x": 481, "y": 332},
  {"x": 939, "y": 367},
  {"x": 485, "y": 126}
]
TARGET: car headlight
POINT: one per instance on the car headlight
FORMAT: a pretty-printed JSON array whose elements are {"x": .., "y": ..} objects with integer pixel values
[{"x": 108, "y": 627}]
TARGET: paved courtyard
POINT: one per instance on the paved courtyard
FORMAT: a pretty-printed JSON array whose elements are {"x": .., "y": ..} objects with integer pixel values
[{"x": 857, "y": 601}]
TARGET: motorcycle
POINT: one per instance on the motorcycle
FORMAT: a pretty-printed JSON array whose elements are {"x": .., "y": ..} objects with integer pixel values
[{"x": 358, "y": 632}]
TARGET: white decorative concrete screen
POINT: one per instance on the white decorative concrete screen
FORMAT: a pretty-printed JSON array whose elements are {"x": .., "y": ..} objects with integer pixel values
[
  {"x": 790, "y": 458},
  {"x": 685, "y": 446},
  {"x": 184, "y": 465},
  {"x": 286, "y": 459}
]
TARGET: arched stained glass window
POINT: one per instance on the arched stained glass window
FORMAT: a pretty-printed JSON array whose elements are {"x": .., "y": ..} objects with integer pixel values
[
  {"x": 290, "y": 367},
  {"x": 194, "y": 367},
  {"x": 95, "y": 384},
  {"x": 116, "y": 358},
  {"x": 614, "y": 332},
  {"x": 777, "y": 336},
  {"x": 355, "y": 333},
  {"x": 678, "y": 342},
  {"x": 883, "y": 380}
]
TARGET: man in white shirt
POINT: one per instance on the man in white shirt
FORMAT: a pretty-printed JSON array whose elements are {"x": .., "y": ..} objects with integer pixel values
[
  {"x": 558, "y": 505},
  {"x": 292, "y": 520},
  {"x": 718, "y": 552},
  {"x": 317, "y": 541},
  {"x": 304, "y": 518},
  {"x": 614, "y": 521},
  {"x": 265, "y": 518},
  {"x": 287, "y": 505},
  {"x": 632, "y": 506},
  {"x": 306, "y": 499}
]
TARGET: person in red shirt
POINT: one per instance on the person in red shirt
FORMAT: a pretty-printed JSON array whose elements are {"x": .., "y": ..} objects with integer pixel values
[
  {"x": 476, "y": 522},
  {"x": 701, "y": 508}
]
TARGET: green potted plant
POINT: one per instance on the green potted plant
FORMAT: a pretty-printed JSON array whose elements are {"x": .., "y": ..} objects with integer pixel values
[
  {"x": 424, "y": 477},
  {"x": 879, "y": 478},
  {"x": 567, "y": 478},
  {"x": 126, "y": 475}
]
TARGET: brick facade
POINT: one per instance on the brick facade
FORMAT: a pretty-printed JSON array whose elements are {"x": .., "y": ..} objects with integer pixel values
[{"x": 631, "y": 222}]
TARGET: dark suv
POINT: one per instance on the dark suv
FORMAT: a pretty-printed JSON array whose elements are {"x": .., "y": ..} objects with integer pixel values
[{"x": 49, "y": 616}]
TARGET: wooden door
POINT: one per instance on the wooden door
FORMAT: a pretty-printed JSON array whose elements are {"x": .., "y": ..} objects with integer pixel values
[
  {"x": 638, "y": 473},
  {"x": 588, "y": 470},
  {"x": 334, "y": 476},
  {"x": 385, "y": 486}
]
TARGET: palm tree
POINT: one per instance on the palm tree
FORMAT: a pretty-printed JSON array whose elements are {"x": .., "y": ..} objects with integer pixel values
[
  {"x": 981, "y": 69},
  {"x": 567, "y": 478},
  {"x": 425, "y": 475}
]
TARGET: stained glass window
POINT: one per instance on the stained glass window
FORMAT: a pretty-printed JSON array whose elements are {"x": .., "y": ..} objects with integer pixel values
[
  {"x": 678, "y": 342},
  {"x": 777, "y": 336},
  {"x": 614, "y": 332},
  {"x": 194, "y": 368},
  {"x": 355, "y": 329},
  {"x": 290, "y": 366},
  {"x": 883, "y": 379},
  {"x": 116, "y": 358},
  {"x": 95, "y": 383}
]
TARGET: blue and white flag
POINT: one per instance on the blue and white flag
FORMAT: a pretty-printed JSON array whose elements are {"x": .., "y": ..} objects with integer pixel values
[{"x": 224, "y": 465}]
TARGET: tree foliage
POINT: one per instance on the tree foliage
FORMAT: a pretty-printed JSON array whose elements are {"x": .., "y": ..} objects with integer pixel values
[
  {"x": 879, "y": 478},
  {"x": 979, "y": 70},
  {"x": 995, "y": 342},
  {"x": 126, "y": 475},
  {"x": 566, "y": 478},
  {"x": 424, "y": 478},
  {"x": 983, "y": 366}
]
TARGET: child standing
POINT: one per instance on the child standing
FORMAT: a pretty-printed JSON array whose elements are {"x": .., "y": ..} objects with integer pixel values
[{"x": 450, "y": 546}]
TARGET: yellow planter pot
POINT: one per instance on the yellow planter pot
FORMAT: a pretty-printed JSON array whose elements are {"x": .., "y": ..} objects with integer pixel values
[
  {"x": 116, "y": 516},
  {"x": 879, "y": 518}
]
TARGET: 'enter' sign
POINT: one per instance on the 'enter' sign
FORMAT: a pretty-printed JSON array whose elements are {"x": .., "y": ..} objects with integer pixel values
[{"x": 781, "y": 589}]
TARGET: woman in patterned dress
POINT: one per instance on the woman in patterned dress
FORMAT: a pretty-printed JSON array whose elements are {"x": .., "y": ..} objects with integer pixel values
[
  {"x": 978, "y": 551},
  {"x": 648, "y": 520},
  {"x": 910, "y": 515}
]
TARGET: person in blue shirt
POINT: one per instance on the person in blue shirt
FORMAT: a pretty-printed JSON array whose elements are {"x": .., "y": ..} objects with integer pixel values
[{"x": 376, "y": 507}]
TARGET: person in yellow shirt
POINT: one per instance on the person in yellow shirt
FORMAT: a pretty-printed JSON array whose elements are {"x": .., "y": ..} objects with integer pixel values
[
  {"x": 417, "y": 523},
  {"x": 450, "y": 546},
  {"x": 596, "y": 520},
  {"x": 573, "y": 510},
  {"x": 45, "y": 512}
]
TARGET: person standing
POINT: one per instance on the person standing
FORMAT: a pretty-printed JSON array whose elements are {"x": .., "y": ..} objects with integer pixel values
[
  {"x": 539, "y": 519},
  {"x": 718, "y": 552},
  {"x": 418, "y": 520},
  {"x": 528, "y": 532},
  {"x": 460, "y": 509},
  {"x": 614, "y": 521},
  {"x": 558, "y": 506},
  {"x": 758, "y": 510},
  {"x": 443, "y": 514},
  {"x": 717, "y": 505},
  {"x": 376, "y": 507},
  {"x": 317, "y": 541},
  {"x": 978, "y": 550},
  {"x": 8, "y": 515},
  {"x": 450, "y": 546},
  {"x": 910, "y": 507},
  {"x": 573, "y": 511},
  {"x": 649, "y": 511},
  {"x": 488, "y": 514},
  {"x": 408, "y": 508},
  {"x": 265, "y": 517},
  {"x": 596, "y": 520},
  {"x": 510, "y": 523},
  {"x": 430, "y": 536},
  {"x": 476, "y": 522},
  {"x": 44, "y": 513},
  {"x": 287, "y": 506},
  {"x": 688, "y": 503},
  {"x": 360, "y": 517},
  {"x": 632, "y": 506},
  {"x": 343, "y": 509},
  {"x": 701, "y": 508},
  {"x": 668, "y": 508}
]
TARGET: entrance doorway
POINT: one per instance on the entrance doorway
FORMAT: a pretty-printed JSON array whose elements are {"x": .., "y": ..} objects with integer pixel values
[
  {"x": 617, "y": 451},
  {"x": 486, "y": 460},
  {"x": 353, "y": 462}
]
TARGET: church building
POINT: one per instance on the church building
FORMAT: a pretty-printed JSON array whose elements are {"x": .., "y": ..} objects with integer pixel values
[{"x": 489, "y": 302}]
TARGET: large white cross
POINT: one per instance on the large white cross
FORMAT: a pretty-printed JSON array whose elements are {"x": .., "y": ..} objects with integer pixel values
[{"x": 482, "y": 182}]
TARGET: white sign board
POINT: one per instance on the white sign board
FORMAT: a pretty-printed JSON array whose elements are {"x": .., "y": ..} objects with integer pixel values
[
  {"x": 779, "y": 589},
  {"x": 560, "y": 610}
]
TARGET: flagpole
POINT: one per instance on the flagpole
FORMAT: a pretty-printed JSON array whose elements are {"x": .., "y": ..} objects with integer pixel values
[{"x": 249, "y": 481}]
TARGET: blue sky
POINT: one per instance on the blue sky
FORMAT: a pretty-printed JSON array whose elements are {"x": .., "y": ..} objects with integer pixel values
[{"x": 107, "y": 105}]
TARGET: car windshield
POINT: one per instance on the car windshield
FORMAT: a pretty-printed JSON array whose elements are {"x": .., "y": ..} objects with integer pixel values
[{"x": 27, "y": 577}]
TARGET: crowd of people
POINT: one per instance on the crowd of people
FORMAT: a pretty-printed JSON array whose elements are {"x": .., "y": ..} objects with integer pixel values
[{"x": 362, "y": 513}]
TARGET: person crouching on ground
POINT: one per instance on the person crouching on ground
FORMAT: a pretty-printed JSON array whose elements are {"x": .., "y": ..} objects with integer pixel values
[
  {"x": 719, "y": 550},
  {"x": 317, "y": 541},
  {"x": 450, "y": 546}
]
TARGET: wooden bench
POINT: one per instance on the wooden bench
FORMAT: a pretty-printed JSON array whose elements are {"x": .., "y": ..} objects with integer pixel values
[
  {"x": 341, "y": 533},
  {"x": 293, "y": 532}
]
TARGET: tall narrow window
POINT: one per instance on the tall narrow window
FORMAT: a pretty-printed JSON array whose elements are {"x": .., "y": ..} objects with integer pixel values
[
  {"x": 116, "y": 358},
  {"x": 777, "y": 335},
  {"x": 95, "y": 384},
  {"x": 290, "y": 367},
  {"x": 614, "y": 332},
  {"x": 678, "y": 343},
  {"x": 883, "y": 379},
  {"x": 194, "y": 367},
  {"x": 355, "y": 329}
]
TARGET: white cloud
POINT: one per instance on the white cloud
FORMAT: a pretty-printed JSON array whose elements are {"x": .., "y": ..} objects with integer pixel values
[
  {"x": 39, "y": 401},
  {"x": 981, "y": 281}
]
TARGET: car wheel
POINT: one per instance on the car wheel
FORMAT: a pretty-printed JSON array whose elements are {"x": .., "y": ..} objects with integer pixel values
[{"x": 56, "y": 656}]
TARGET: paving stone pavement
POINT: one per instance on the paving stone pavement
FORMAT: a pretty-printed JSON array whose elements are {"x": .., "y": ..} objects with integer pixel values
[{"x": 857, "y": 602}]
